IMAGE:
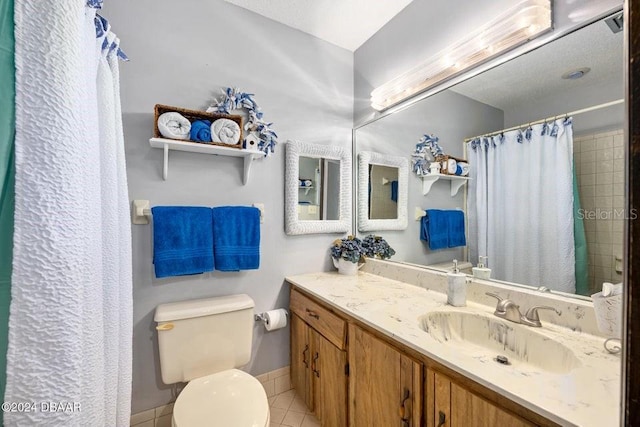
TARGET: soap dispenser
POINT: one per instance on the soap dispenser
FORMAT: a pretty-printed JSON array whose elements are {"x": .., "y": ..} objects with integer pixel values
[
  {"x": 457, "y": 287},
  {"x": 481, "y": 271}
]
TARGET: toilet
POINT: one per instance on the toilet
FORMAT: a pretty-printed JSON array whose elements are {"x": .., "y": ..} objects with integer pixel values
[{"x": 202, "y": 342}]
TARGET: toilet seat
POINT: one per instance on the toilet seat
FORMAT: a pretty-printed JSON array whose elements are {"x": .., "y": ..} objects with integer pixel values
[{"x": 229, "y": 398}]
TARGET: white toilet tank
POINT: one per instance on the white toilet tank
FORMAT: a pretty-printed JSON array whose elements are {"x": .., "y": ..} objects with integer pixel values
[{"x": 201, "y": 337}]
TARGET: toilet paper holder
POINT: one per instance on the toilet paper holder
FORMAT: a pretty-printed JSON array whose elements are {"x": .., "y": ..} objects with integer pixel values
[{"x": 261, "y": 317}]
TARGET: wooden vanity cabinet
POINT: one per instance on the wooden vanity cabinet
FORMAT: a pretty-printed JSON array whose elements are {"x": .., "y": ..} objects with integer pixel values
[
  {"x": 384, "y": 384},
  {"x": 301, "y": 354},
  {"x": 451, "y": 405},
  {"x": 319, "y": 366},
  {"x": 388, "y": 384}
]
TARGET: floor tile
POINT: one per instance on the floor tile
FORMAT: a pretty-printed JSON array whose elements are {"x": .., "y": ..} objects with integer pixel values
[
  {"x": 282, "y": 401},
  {"x": 277, "y": 415},
  {"x": 298, "y": 405},
  {"x": 293, "y": 419},
  {"x": 310, "y": 421}
]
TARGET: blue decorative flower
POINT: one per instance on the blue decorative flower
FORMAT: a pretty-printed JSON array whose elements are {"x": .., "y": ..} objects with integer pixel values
[
  {"x": 235, "y": 99},
  {"x": 350, "y": 249},
  {"x": 377, "y": 247},
  {"x": 428, "y": 146}
]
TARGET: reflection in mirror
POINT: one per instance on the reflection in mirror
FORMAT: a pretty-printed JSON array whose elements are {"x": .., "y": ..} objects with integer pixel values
[
  {"x": 317, "y": 189},
  {"x": 382, "y": 191},
  {"x": 580, "y": 71}
]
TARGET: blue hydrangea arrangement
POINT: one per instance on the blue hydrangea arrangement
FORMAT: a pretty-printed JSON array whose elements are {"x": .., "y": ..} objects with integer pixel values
[
  {"x": 377, "y": 247},
  {"x": 355, "y": 250},
  {"x": 235, "y": 99},
  {"x": 350, "y": 249},
  {"x": 427, "y": 149}
]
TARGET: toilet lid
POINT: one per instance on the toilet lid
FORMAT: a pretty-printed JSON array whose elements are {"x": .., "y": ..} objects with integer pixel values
[{"x": 227, "y": 399}]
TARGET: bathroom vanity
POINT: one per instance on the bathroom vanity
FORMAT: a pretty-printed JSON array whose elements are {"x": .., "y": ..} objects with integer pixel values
[{"x": 368, "y": 350}]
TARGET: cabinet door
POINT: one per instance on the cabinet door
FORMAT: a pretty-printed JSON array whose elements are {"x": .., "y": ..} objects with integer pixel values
[
  {"x": 470, "y": 410},
  {"x": 455, "y": 406},
  {"x": 301, "y": 360},
  {"x": 384, "y": 385},
  {"x": 329, "y": 365}
]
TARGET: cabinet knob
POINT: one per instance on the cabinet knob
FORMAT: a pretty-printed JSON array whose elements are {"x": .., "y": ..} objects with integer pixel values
[
  {"x": 313, "y": 314},
  {"x": 405, "y": 407},
  {"x": 314, "y": 364},
  {"x": 304, "y": 356},
  {"x": 442, "y": 418}
]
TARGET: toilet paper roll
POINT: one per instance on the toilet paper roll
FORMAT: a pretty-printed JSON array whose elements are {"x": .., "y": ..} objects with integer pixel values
[{"x": 275, "y": 319}]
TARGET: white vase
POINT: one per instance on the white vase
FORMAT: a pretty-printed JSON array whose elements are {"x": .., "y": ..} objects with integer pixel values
[{"x": 345, "y": 267}]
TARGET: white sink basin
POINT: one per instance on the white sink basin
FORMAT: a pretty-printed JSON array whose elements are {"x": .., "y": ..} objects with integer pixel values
[{"x": 487, "y": 335}]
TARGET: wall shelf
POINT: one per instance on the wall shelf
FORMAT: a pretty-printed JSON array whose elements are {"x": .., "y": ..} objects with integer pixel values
[
  {"x": 456, "y": 182},
  {"x": 193, "y": 147},
  {"x": 306, "y": 189}
]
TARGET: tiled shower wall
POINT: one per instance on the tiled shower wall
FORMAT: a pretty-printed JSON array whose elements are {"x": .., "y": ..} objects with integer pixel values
[{"x": 599, "y": 163}]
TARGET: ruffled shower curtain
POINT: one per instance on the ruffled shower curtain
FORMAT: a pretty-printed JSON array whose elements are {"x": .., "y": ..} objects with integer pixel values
[
  {"x": 70, "y": 320},
  {"x": 7, "y": 175},
  {"x": 522, "y": 190}
]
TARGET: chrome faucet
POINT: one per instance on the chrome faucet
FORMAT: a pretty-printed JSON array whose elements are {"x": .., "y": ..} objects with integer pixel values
[
  {"x": 509, "y": 310},
  {"x": 506, "y": 309},
  {"x": 531, "y": 318}
]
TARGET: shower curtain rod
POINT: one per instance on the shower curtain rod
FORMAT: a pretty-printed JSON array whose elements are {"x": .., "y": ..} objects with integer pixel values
[{"x": 572, "y": 113}]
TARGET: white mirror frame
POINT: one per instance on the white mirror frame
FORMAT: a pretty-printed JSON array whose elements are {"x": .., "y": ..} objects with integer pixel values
[
  {"x": 366, "y": 158},
  {"x": 292, "y": 224}
]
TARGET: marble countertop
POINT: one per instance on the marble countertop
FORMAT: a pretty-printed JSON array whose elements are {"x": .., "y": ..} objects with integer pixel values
[{"x": 588, "y": 395}]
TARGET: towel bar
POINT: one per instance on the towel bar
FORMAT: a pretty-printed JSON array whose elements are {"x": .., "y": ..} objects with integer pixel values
[
  {"x": 419, "y": 213},
  {"x": 141, "y": 212}
]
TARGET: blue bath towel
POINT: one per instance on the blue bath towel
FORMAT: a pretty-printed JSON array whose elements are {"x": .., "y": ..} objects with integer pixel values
[
  {"x": 443, "y": 229},
  {"x": 456, "y": 228},
  {"x": 236, "y": 238},
  {"x": 434, "y": 229},
  {"x": 394, "y": 191},
  {"x": 201, "y": 131},
  {"x": 182, "y": 240}
]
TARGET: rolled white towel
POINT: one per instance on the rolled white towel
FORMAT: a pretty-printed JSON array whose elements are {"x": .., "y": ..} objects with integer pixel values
[
  {"x": 173, "y": 125},
  {"x": 225, "y": 131}
]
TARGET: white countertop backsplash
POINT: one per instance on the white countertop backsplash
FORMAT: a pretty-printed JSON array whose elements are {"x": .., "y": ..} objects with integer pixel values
[
  {"x": 587, "y": 396},
  {"x": 577, "y": 314}
]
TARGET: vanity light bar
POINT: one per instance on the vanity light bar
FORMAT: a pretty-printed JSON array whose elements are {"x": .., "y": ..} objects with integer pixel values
[{"x": 519, "y": 24}]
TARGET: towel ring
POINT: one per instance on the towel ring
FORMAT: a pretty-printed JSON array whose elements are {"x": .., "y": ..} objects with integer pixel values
[{"x": 613, "y": 348}]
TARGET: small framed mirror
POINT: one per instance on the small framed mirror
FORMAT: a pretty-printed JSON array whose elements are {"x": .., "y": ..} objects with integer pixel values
[
  {"x": 317, "y": 189},
  {"x": 382, "y": 192}
]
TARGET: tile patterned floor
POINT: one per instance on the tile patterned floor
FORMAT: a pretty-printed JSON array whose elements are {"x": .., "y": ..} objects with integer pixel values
[{"x": 288, "y": 409}]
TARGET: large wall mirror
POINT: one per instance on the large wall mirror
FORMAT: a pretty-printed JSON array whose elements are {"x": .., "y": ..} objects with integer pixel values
[
  {"x": 317, "y": 189},
  {"x": 579, "y": 71}
]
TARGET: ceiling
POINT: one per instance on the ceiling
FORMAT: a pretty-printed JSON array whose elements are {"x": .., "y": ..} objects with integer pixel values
[
  {"x": 345, "y": 23},
  {"x": 537, "y": 75}
]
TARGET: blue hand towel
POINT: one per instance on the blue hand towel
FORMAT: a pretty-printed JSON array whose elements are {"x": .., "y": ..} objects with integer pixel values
[
  {"x": 456, "y": 228},
  {"x": 434, "y": 229},
  {"x": 443, "y": 229},
  {"x": 236, "y": 238},
  {"x": 182, "y": 240},
  {"x": 201, "y": 131},
  {"x": 394, "y": 191}
]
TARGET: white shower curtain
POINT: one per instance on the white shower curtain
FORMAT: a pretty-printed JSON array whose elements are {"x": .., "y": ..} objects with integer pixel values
[
  {"x": 521, "y": 205},
  {"x": 70, "y": 323}
]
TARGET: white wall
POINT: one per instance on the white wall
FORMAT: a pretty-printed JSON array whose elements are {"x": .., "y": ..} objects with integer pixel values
[
  {"x": 182, "y": 53},
  {"x": 426, "y": 27}
]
